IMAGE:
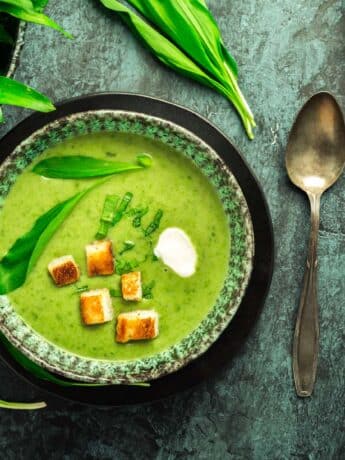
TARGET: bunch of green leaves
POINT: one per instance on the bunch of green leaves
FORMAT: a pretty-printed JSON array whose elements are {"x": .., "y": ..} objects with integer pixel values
[
  {"x": 185, "y": 36},
  {"x": 13, "y": 92}
]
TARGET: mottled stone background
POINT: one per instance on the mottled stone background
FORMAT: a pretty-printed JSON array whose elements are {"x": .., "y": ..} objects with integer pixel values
[{"x": 286, "y": 51}]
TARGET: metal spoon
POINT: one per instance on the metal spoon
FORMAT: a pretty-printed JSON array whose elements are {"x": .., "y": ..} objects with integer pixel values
[{"x": 315, "y": 158}]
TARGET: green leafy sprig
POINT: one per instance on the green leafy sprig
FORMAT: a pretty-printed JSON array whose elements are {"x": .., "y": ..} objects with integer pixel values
[
  {"x": 84, "y": 167},
  {"x": 187, "y": 39}
]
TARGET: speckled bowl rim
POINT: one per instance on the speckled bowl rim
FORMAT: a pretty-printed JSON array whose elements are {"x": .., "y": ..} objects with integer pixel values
[{"x": 70, "y": 365}]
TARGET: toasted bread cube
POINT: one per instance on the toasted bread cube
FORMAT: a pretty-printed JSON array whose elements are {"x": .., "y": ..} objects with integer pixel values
[
  {"x": 64, "y": 270},
  {"x": 99, "y": 258},
  {"x": 96, "y": 307},
  {"x": 137, "y": 325},
  {"x": 131, "y": 286}
]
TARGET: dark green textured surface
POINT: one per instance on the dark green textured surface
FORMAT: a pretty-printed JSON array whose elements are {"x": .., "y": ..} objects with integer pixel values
[{"x": 249, "y": 410}]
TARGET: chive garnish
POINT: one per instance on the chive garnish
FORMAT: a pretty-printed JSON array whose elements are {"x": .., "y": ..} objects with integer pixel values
[
  {"x": 125, "y": 266},
  {"x": 147, "y": 290},
  {"x": 115, "y": 292},
  {"x": 138, "y": 214},
  {"x": 79, "y": 289},
  {"x": 127, "y": 246},
  {"x": 107, "y": 216},
  {"x": 127, "y": 198},
  {"x": 152, "y": 227}
]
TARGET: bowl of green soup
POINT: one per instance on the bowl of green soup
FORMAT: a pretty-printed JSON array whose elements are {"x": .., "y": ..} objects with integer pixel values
[{"x": 174, "y": 223}]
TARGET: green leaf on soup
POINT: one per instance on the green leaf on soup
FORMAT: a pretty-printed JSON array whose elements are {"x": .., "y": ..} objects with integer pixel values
[
  {"x": 15, "y": 93},
  {"x": 23, "y": 255},
  {"x": 81, "y": 167}
]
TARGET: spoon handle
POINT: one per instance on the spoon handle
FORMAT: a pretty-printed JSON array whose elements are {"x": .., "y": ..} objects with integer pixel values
[{"x": 306, "y": 339}]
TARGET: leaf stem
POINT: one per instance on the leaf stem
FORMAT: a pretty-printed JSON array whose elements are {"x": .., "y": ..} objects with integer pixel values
[{"x": 22, "y": 406}]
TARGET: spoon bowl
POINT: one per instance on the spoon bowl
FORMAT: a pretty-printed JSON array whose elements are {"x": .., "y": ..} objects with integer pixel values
[
  {"x": 315, "y": 153},
  {"x": 315, "y": 158}
]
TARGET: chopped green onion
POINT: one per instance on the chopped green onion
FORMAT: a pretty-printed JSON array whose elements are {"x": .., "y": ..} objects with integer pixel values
[
  {"x": 127, "y": 198},
  {"x": 102, "y": 230},
  {"x": 107, "y": 216},
  {"x": 152, "y": 227},
  {"x": 79, "y": 289},
  {"x": 109, "y": 208},
  {"x": 126, "y": 266},
  {"x": 147, "y": 290},
  {"x": 127, "y": 246},
  {"x": 139, "y": 213},
  {"x": 115, "y": 292}
]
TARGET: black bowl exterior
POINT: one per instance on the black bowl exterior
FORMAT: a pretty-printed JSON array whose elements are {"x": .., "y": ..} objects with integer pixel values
[{"x": 231, "y": 339}]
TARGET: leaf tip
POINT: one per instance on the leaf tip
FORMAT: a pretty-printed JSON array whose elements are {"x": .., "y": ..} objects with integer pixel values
[{"x": 145, "y": 160}]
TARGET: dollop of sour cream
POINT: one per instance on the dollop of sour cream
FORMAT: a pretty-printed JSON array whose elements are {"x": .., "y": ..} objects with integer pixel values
[{"x": 176, "y": 250}]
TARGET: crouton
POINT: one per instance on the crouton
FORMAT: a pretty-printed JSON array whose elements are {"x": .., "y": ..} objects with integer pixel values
[
  {"x": 131, "y": 286},
  {"x": 96, "y": 307},
  {"x": 99, "y": 258},
  {"x": 137, "y": 325},
  {"x": 64, "y": 270}
]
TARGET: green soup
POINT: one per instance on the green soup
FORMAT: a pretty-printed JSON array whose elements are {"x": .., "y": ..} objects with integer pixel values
[{"x": 172, "y": 184}]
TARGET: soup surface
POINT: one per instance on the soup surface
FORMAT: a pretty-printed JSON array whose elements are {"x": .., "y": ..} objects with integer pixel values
[{"x": 172, "y": 184}]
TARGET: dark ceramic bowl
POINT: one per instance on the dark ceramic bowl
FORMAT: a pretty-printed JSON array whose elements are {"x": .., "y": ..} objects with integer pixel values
[{"x": 75, "y": 367}]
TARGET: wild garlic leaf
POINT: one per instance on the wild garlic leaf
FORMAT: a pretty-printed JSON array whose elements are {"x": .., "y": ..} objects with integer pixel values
[
  {"x": 21, "y": 405},
  {"x": 171, "y": 55},
  {"x": 23, "y": 255},
  {"x": 164, "y": 50},
  {"x": 26, "y": 4},
  {"x": 192, "y": 27},
  {"x": 81, "y": 167},
  {"x": 15, "y": 93},
  {"x": 39, "y": 5},
  {"x": 16, "y": 9}
]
